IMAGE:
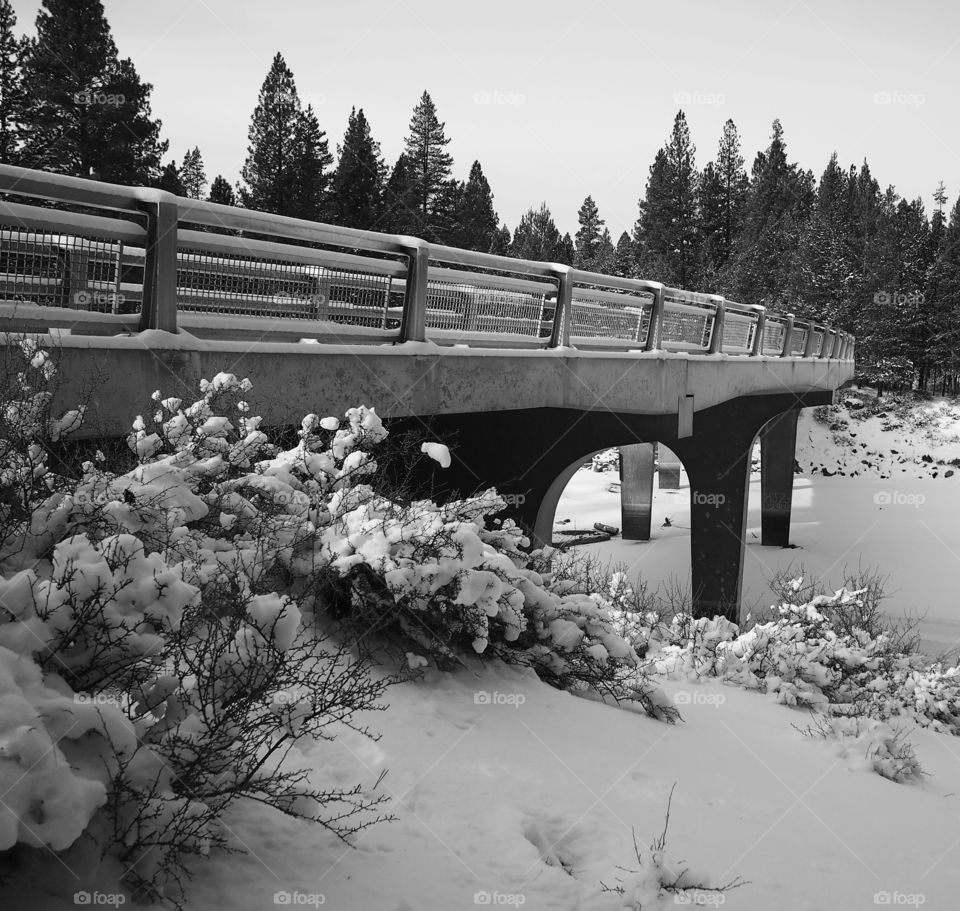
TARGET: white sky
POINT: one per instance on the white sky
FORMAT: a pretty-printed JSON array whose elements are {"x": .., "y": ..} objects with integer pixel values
[{"x": 581, "y": 95}]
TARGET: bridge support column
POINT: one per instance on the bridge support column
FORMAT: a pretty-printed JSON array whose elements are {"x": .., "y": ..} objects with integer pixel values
[
  {"x": 717, "y": 461},
  {"x": 778, "y": 445},
  {"x": 636, "y": 491},
  {"x": 669, "y": 469}
]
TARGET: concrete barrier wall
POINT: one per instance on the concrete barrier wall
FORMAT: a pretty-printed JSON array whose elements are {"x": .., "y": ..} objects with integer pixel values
[{"x": 414, "y": 379}]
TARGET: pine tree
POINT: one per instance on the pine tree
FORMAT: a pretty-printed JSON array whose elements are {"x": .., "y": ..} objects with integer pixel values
[
  {"x": 606, "y": 253},
  {"x": 357, "y": 184},
  {"x": 712, "y": 220},
  {"x": 864, "y": 212},
  {"x": 286, "y": 160},
  {"x": 501, "y": 241},
  {"x": 625, "y": 257},
  {"x": 446, "y": 213},
  {"x": 651, "y": 244},
  {"x": 86, "y": 112},
  {"x": 170, "y": 180},
  {"x": 943, "y": 345},
  {"x": 399, "y": 213},
  {"x": 735, "y": 184},
  {"x": 192, "y": 174},
  {"x": 427, "y": 162},
  {"x": 938, "y": 222},
  {"x": 827, "y": 279},
  {"x": 537, "y": 238},
  {"x": 11, "y": 87},
  {"x": 893, "y": 324},
  {"x": 222, "y": 192},
  {"x": 722, "y": 198},
  {"x": 476, "y": 216},
  {"x": 589, "y": 236},
  {"x": 311, "y": 158},
  {"x": 667, "y": 232},
  {"x": 779, "y": 202}
]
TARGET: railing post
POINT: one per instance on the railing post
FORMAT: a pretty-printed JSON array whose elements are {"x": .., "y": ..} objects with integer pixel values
[
  {"x": 827, "y": 344},
  {"x": 758, "y": 338},
  {"x": 835, "y": 350},
  {"x": 563, "y": 315},
  {"x": 413, "y": 323},
  {"x": 159, "y": 308},
  {"x": 716, "y": 334},
  {"x": 656, "y": 317},
  {"x": 788, "y": 337},
  {"x": 811, "y": 334}
]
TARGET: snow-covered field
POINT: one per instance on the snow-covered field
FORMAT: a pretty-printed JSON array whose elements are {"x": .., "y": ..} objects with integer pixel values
[{"x": 509, "y": 793}]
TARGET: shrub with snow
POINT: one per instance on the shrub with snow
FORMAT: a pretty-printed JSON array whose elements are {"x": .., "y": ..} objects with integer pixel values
[
  {"x": 859, "y": 682},
  {"x": 870, "y": 743},
  {"x": 661, "y": 883},
  {"x": 608, "y": 460},
  {"x": 57, "y": 754}
]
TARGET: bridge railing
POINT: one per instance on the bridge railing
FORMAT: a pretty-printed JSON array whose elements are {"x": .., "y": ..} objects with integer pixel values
[{"x": 110, "y": 259}]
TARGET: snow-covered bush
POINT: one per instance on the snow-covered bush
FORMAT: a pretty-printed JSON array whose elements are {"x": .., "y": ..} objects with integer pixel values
[
  {"x": 864, "y": 612},
  {"x": 57, "y": 754},
  {"x": 662, "y": 884},
  {"x": 638, "y": 615},
  {"x": 445, "y": 580},
  {"x": 692, "y": 644},
  {"x": 28, "y": 491},
  {"x": 869, "y": 742},
  {"x": 608, "y": 460},
  {"x": 802, "y": 659},
  {"x": 154, "y": 608}
]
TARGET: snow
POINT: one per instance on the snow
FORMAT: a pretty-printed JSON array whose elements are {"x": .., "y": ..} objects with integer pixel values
[
  {"x": 51, "y": 776},
  {"x": 536, "y": 796},
  {"x": 438, "y": 452}
]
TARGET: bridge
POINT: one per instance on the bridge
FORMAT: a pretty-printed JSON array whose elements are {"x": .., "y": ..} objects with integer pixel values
[{"x": 527, "y": 368}]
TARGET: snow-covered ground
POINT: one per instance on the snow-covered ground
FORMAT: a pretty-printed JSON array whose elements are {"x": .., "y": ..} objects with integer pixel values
[{"x": 509, "y": 793}]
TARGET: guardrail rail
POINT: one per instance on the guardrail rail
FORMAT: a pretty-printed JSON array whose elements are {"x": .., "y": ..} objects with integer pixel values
[{"x": 112, "y": 259}]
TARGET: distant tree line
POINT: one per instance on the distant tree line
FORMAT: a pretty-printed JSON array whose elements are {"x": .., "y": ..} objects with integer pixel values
[{"x": 840, "y": 249}]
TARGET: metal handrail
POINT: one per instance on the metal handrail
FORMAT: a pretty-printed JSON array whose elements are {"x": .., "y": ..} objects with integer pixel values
[{"x": 409, "y": 262}]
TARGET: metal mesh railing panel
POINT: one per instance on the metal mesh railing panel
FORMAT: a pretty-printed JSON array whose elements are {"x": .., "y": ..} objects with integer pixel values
[
  {"x": 469, "y": 308},
  {"x": 627, "y": 318},
  {"x": 212, "y": 282},
  {"x": 686, "y": 327},
  {"x": 773, "y": 337},
  {"x": 358, "y": 299},
  {"x": 798, "y": 341},
  {"x": 817, "y": 343},
  {"x": 65, "y": 270},
  {"x": 738, "y": 332},
  {"x": 209, "y": 282}
]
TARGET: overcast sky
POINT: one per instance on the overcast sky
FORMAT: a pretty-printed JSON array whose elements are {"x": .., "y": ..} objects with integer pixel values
[{"x": 563, "y": 99}]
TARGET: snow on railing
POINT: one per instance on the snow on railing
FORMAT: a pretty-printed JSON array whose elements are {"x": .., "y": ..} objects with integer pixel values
[{"x": 150, "y": 260}]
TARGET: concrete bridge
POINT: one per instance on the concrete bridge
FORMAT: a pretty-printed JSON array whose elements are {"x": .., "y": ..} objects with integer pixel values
[{"x": 526, "y": 368}]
